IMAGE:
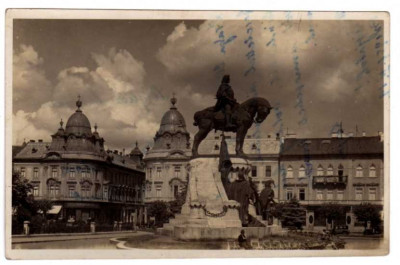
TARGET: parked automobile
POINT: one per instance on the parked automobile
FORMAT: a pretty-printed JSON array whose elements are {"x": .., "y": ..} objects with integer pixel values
[{"x": 340, "y": 229}]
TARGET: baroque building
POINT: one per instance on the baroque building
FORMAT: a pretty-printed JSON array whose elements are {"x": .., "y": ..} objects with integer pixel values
[
  {"x": 340, "y": 170},
  {"x": 166, "y": 161},
  {"x": 83, "y": 180}
]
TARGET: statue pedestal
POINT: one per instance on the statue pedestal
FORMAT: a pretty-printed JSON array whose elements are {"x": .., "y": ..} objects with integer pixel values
[{"x": 207, "y": 212}]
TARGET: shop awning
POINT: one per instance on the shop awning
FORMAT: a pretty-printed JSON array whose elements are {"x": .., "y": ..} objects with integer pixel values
[{"x": 54, "y": 210}]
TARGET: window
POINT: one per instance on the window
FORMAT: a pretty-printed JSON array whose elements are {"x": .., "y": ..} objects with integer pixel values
[
  {"x": 359, "y": 171},
  {"x": 86, "y": 190},
  {"x": 289, "y": 173},
  {"x": 105, "y": 193},
  {"x": 268, "y": 171},
  {"x": 340, "y": 170},
  {"x": 72, "y": 173},
  {"x": 54, "y": 172},
  {"x": 372, "y": 171},
  {"x": 53, "y": 188},
  {"x": 329, "y": 195},
  {"x": 329, "y": 172},
  {"x": 302, "y": 172},
  {"x": 36, "y": 191},
  {"x": 71, "y": 191},
  {"x": 254, "y": 171},
  {"x": 177, "y": 171},
  {"x": 35, "y": 172},
  {"x": 372, "y": 194},
  {"x": 289, "y": 194},
  {"x": 158, "y": 191},
  {"x": 320, "y": 171},
  {"x": 302, "y": 194},
  {"x": 320, "y": 195},
  {"x": 158, "y": 172},
  {"x": 23, "y": 172},
  {"x": 83, "y": 172},
  {"x": 339, "y": 195},
  {"x": 359, "y": 194},
  {"x": 176, "y": 191}
]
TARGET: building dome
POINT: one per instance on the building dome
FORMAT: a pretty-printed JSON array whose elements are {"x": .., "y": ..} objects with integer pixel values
[
  {"x": 136, "y": 151},
  {"x": 172, "y": 134},
  {"x": 172, "y": 121},
  {"x": 78, "y": 124}
]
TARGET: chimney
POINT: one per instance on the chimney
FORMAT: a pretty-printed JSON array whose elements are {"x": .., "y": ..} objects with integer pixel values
[
  {"x": 123, "y": 151},
  {"x": 364, "y": 134}
]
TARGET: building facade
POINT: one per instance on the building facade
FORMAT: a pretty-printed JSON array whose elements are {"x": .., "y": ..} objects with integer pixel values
[
  {"x": 166, "y": 161},
  {"x": 338, "y": 170},
  {"x": 83, "y": 180}
]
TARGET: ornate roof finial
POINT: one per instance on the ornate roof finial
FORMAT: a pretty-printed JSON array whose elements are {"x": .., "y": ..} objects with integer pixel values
[
  {"x": 136, "y": 144},
  {"x": 95, "y": 127},
  {"x": 79, "y": 103},
  {"x": 61, "y": 123},
  {"x": 173, "y": 101}
]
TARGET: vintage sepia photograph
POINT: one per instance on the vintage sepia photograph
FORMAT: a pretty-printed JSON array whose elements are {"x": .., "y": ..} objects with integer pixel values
[{"x": 236, "y": 133}]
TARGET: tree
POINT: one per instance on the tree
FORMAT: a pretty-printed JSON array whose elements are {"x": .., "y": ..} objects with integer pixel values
[
  {"x": 22, "y": 199},
  {"x": 367, "y": 212},
  {"x": 160, "y": 210},
  {"x": 22, "y": 202},
  {"x": 332, "y": 212},
  {"x": 290, "y": 213}
]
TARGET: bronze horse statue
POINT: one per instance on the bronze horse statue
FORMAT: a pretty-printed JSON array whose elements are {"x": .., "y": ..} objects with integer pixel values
[{"x": 252, "y": 110}]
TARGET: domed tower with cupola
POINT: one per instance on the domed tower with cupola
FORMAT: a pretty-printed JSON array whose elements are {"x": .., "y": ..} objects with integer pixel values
[
  {"x": 172, "y": 134},
  {"x": 167, "y": 159},
  {"x": 78, "y": 135}
]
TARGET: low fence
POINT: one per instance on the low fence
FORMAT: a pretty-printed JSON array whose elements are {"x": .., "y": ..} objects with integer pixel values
[{"x": 62, "y": 227}]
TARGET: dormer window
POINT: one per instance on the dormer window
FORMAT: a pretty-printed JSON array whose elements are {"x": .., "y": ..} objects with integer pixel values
[
  {"x": 372, "y": 171},
  {"x": 329, "y": 172},
  {"x": 289, "y": 173},
  {"x": 254, "y": 147},
  {"x": 320, "y": 171},
  {"x": 216, "y": 147},
  {"x": 359, "y": 171},
  {"x": 340, "y": 170},
  {"x": 302, "y": 172}
]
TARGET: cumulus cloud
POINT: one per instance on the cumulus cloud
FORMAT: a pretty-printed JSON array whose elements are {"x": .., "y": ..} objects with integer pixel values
[
  {"x": 127, "y": 95},
  {"x": 113, "y": 94},
  {"x": 29, "y": 79},
  {"x": 327, "y": 68}
]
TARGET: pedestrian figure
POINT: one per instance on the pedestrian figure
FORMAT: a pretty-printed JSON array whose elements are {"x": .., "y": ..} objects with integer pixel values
[{"x": 243, "y": 240}]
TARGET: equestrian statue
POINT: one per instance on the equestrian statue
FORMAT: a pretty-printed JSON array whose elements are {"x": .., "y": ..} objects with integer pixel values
[{"x": 229, "y": 116}]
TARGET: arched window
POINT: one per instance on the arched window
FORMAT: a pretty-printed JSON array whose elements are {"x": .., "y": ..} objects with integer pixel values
[
  {"x": 372, "y": 171},
  {"x": 289, "y": 173},
  {"x": 359, "y": 171},
  {"x": 302, "y": 172},
  {"x": 320, "y": 171},
  {"x": 329, "y": 172},
  {"x": 340, "y": 170}
]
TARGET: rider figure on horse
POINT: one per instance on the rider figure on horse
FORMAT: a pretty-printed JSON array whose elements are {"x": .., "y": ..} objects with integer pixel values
[{"x": 226, "y": 101}]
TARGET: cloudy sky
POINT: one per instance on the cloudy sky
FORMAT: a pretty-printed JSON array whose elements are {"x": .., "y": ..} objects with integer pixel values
[{"x": 315, "y": 73}]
